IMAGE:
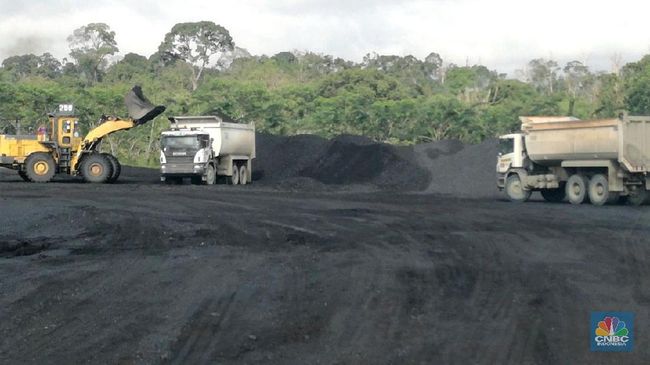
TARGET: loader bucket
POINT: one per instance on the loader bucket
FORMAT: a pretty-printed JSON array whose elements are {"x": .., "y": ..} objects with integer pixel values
[{"x": 140, "y": 109}]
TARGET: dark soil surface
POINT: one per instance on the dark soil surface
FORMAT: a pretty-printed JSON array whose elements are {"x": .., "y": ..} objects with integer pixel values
[{"x": 311, "y": 265}]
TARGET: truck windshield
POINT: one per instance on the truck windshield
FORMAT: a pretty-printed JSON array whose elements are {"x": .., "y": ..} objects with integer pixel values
[
  {"x": 506, "y": 146},
  {"x": 180, "y": 142}
]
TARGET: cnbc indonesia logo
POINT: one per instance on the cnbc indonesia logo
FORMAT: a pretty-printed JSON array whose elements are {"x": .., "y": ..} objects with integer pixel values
[{"x": 612, "y": 332}]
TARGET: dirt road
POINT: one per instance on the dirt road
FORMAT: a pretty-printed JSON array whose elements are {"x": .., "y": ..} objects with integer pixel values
[{"x": 139, "y": 272}]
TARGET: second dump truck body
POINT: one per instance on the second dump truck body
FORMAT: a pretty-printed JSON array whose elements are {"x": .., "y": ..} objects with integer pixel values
[
  {"x": 600, "y": 161},
  {"x": 204, "y": 148}
]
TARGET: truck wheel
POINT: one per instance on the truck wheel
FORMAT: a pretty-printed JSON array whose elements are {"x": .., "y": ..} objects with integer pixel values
[
  {"x": 599, "y": 190},
  {"x": 637, "y": 196},
  {"x": 96, "y": 168},
  {"x": 23, "y": 175},
  {"x": 117, "y": 167},
  {"x": 211, "y": 177},
  {"x": 234, "y": 179},
  {"x": 576, "y": 188},
  {"x": 515, "y": 189},
  {"x": 243, "y": 175},
  {"x": 39, "y": 167},
  {"x": 554, "y": 195}
]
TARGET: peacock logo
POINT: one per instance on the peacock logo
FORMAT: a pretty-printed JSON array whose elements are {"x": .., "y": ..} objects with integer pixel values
[
  {"x": 611, "y": 326},
  {"x": 613, "y": 331}
]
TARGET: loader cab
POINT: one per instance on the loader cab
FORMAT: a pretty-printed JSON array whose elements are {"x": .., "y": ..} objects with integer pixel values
[
  {"x": 65, "y": 135},
  {"x": 64, "y": 127},
  {"x": 511, "y": 152}
]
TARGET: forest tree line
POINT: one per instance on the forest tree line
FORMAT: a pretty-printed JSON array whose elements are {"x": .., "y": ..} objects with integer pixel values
[{"x": 199, "y": 70}]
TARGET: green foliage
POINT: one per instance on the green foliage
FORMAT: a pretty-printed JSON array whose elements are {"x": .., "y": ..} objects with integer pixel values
[
  {"x": 89, "y": 47},
  {"x": 197, "y": 70},
  {"x": 198, "y": 44}
]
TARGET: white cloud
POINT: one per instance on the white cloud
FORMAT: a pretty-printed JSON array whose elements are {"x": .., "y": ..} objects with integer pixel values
[{"x": 502, "y": 34}]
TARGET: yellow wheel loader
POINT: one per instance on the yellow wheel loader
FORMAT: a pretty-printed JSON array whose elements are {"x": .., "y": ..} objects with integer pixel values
[{"x": 62, "y": 150}]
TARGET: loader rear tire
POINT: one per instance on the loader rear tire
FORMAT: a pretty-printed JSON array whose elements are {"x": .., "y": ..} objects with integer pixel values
[
  {"x": 39, "y": 167},
  {"x": 96, "y": 168},
  {"x": 117, "y": 167}
]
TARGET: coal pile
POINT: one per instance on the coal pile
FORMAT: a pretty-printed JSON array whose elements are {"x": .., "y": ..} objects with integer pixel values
[
  {"x": 344, "y": 160},
  {"x": 460, "y": 170},
  {"x": 445, "y": 167}
]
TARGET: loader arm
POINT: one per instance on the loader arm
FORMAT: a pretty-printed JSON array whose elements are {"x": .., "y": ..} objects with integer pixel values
[
  {"x": 95, "y": 136},
  {"x": 141, "y": 111}
]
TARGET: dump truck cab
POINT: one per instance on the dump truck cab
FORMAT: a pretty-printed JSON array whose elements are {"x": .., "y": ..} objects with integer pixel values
[
  {"x": 511, "y": 153},
  {"x": 184, "y": 153}
]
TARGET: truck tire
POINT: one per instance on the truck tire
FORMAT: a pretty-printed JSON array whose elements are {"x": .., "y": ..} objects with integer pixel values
[
  {"x": 637, "y": 197},
  {"x": 599, "y": 190},
  {"x": 234, "y": 179},
  {"x": 39, "y": 167},
  {"x": 211, "y": 175},
  {"x": 96, "y": 168},
  {"x": 243, "y": 174},
  {"x": 515, "y": 189},
  {"x": 554, "y": 195},
  {"x": 117, "y": 167},
  {"x": 576, "y": 189}
]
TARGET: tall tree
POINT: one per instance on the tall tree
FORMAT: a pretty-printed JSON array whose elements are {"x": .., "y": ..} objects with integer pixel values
[
  {"x": 90, "y": 47},
  {"x": 576, "y": 78},
  {"x": 23, "y": 66},
  {"x": 542, "y": 73},
  {"x": 200, "y": 44}
]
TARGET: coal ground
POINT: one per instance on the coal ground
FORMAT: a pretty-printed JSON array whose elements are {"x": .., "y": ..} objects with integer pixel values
[{"x": 342, "y": 252}]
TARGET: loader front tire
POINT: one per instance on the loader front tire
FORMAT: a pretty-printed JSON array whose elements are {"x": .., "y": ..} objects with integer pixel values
[
  {"x": 96, "y": 168},
  {"x": 117, "y": 167},
  {"x": 39, "y": 167}
]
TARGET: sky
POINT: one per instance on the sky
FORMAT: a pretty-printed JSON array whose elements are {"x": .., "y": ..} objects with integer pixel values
[{"x": 500, "y": 34}]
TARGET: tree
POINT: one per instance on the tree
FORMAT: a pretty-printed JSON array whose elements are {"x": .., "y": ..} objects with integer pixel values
[
  {"x": 433, "y": 66},
  {"x": 576, "y": 78},
  {"x": 132, "y": 67},
  {"x": 23, "y": 66},
  {"x": 542, "y": 74},
  {"x": 200, "y": 44},
  {"x": 90, "y": 46}
]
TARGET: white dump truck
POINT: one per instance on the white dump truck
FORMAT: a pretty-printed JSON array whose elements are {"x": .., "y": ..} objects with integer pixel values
[
  {"x": 597, "y": 161},
  {"x": 205, "y": 149}
]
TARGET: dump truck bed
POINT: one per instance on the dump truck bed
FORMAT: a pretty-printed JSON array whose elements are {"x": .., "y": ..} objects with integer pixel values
[
  {"x": 227, "y": 138},
  {"x": 627, "y": 140}
]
